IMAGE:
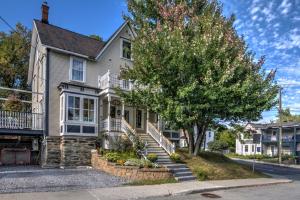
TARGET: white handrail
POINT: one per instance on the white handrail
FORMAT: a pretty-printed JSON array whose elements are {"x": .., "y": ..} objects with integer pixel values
[
  {"x": 110, "y": 80},
  {"x": 131, "y": 133},
  {"x": 160, "y": 138}
]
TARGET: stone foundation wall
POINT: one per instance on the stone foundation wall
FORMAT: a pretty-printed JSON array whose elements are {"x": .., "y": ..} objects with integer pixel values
[
  {"x": 64, "y": 151},
  {"x": 76, "y": 151},
  {"x": 50, "y": 156},
  {"x": 132, "y": 173}
]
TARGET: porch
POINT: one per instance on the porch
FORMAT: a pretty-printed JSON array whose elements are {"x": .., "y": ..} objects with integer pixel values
[{"x": 20, "y": 123}]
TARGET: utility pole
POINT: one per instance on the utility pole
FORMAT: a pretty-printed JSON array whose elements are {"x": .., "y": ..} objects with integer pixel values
[{"x": 280, "y": 128}]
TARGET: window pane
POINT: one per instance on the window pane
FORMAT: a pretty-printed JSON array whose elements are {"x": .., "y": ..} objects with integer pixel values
[
  {"x": 85, "y": 104},
  {"x": 85, "y": 115},
  {"x": 77, "y": 102},
  {"x": 77, "y": 70},
  {"x": 126, "y": 49},
  {"x": 91, "y": 116},
  {"x": 76, "y": 114},
  {"x": 70, "y": 114},
  {"x": 91, "y": 104},
  {"x": 71, "y": 101}
]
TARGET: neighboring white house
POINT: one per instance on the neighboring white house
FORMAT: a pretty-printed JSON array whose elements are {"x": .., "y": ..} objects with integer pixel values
[
  {"x": 209, "y": 137},
  {"x": 245, "y": 145}
]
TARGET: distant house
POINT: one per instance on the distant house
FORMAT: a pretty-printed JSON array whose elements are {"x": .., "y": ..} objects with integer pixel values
[
  {"x": 244, "y": 143},
  {"x": 269, "y": 139},
  {"x": 209, "y": 137}
]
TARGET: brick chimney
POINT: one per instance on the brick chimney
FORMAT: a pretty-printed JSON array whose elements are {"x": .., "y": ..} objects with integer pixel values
[{"x": 45, "y": 11}]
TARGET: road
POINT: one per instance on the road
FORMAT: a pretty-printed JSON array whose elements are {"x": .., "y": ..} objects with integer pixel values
[{"x": 272, "y": 192}]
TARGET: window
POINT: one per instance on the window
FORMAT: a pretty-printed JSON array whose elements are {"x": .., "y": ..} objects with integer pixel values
[
  {"x": 88, "y": 110},
  {"x": 113, "y": 112},
  {"x": 126, "y": 49},
  {"x": 246, "y": 148},
  {"x": 258, "y": 149},
  {"x": 77, "y": 71},
  {"x": 274, "y": 133},
  {"x": 73, "y": 108},
  {"x": 209, "y": 134}
]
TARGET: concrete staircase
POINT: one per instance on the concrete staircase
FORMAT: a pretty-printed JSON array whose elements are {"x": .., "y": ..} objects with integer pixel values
[{"x": 180, "y": 171}]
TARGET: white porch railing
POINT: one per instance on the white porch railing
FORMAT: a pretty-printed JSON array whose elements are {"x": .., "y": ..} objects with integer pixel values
[
  {"x": 110, "y": 80},
  {"x": 160, "y": 138},
  {"x": 114, "y": 125},
  {"x": 21, "y": 120}
]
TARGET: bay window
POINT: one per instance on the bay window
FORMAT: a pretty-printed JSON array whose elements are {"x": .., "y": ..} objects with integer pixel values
[{"x": 80, "y": 114}]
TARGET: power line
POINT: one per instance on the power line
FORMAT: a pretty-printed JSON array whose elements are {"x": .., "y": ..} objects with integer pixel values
[{"x": 7, "y": 24}]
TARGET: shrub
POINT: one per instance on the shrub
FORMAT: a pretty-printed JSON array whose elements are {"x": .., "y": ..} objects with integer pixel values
[
  {"x": 152, "y": 157},
  {"x": 217, "y": 146},
  {"x": 201, "y": 175},
  {"x": 121, "y": 162},
  {"x": 147, "y": 163},
  {"x": 122, "y": 144},
  {"x": 175, "y": 157},
  {"x": 133, "y": 162},
  {"x": 112, "y": 156},
  {"x": 138, "y": 145}
]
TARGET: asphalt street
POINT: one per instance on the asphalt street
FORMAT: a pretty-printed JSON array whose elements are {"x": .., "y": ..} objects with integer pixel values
[{"x": 271, "y": 192}]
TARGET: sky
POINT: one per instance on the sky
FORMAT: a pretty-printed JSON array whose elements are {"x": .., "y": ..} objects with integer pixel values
[{"x": 271, "y": 28}]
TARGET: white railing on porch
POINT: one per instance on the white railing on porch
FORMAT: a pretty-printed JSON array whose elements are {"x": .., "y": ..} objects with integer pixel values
[
  {"x": 21, "y": 120},
  {"x": 110, "y": 80},
  {"x": 114, "y": 125},
  {"x": 160, "y": 138}
]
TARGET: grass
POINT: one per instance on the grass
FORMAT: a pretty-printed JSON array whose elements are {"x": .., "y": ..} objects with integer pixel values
[
  {"x": 215, "y": 166},
  {"x": 152, "y": 182}
]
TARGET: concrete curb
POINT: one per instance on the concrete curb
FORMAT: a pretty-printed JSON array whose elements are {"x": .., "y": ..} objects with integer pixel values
[
  {"x": 217, "y": 188},
  {"x": 266, "y": 163}
]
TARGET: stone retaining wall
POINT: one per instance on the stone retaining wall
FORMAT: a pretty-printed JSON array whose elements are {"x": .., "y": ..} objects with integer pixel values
[
  {"x": 128, "y": 172},
  {"x": 76, "y": 151},
  {"x": 63, "y": 151}
]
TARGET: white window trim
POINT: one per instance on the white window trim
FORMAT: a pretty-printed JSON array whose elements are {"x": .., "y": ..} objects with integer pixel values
[
  {"x": 121, "y": 49},
  {"x": 65, "y": 121},
  {"x": 71, "y": 67}
]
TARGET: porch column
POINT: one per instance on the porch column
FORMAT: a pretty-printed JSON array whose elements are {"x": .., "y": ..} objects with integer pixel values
[
  {"x": 147, "y": 120},
  {"x": 108, "y": 112},
  {"x": 100, "y": 113},
  {"x": 123, "y": 109}
]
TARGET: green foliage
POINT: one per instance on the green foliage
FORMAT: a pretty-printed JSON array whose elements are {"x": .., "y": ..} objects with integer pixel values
[
  {"x": 153, "y": 182},
  {"x": 152, "y": 157},
  {"x": 217, "y": 146},
  {"x": 112, "y": 156},
  {"x": 175, "y": 157},
  {"x": 287, "y": 116},
  {"x": 138, "y": 145},
  {"x": 257, "y": 156},
  {"x": 196, "y": 68},
  {"x": 97, "y": 37},
  {"x": 13, "y": 104},
  {"x": 227, "y": 136},
  {"x": 122, "y": 144},
  {"x": 140, "y": 163},
  {"x": 201, "y": 175}
]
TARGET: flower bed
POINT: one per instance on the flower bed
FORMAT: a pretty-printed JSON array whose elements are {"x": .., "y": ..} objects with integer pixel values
[{"x": 129, "y": 172}]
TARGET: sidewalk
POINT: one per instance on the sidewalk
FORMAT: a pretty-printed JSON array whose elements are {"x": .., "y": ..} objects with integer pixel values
[
  {"x": 266, "y": 163},
  {"x": 135, "y": 192}
]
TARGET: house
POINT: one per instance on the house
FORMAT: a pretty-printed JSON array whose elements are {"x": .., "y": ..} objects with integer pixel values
[
  {"x": 209, "y": 137},
  {"x": 290, "y": 138},
  {"x": 77, "y": 76},
  {"x": 245, "y": 144},
  {"x": 268, "y": 141}
]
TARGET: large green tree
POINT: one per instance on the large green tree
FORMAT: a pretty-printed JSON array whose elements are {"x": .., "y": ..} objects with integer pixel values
[
  {"x": 14, "y": 58},
  {"x": 287, "y": 116},
  {"x": 196, "y": 69}
]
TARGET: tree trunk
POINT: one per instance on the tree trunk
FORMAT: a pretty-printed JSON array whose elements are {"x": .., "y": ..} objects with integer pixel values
[
  {"x": 201, "y": 134},
  {"x": 191, "y": 143}
]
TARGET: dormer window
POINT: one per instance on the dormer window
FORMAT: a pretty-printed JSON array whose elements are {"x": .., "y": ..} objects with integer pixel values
[
  {"x": 126, "y": 49},
  {"x": 77, "y": 69}
]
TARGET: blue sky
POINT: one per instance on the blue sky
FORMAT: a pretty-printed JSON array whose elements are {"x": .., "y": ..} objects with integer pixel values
[{"x": 270, "y": 27}]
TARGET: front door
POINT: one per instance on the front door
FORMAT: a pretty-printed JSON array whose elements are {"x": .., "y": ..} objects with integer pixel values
[{"x": 139, "y": 119}]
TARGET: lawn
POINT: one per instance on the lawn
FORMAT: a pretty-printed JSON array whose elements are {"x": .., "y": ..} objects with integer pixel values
[{"x": 215, "y": 166}]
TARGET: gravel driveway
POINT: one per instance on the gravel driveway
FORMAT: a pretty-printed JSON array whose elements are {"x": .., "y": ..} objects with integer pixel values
[{"x": 34, "y": 179}]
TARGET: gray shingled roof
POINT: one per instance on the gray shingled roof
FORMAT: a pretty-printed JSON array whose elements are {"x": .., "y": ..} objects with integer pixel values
[{"x": 57, "y": 37}]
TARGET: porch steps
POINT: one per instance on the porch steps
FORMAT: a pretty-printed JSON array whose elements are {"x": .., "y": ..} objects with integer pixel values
[{"x": 180, "y": 171}]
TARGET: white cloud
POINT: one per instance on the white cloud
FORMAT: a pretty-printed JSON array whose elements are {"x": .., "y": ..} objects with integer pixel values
[{"x": 285, "y": 7}]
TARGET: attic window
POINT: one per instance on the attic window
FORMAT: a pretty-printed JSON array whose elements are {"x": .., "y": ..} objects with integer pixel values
[{"x": 126, "y": 49}]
